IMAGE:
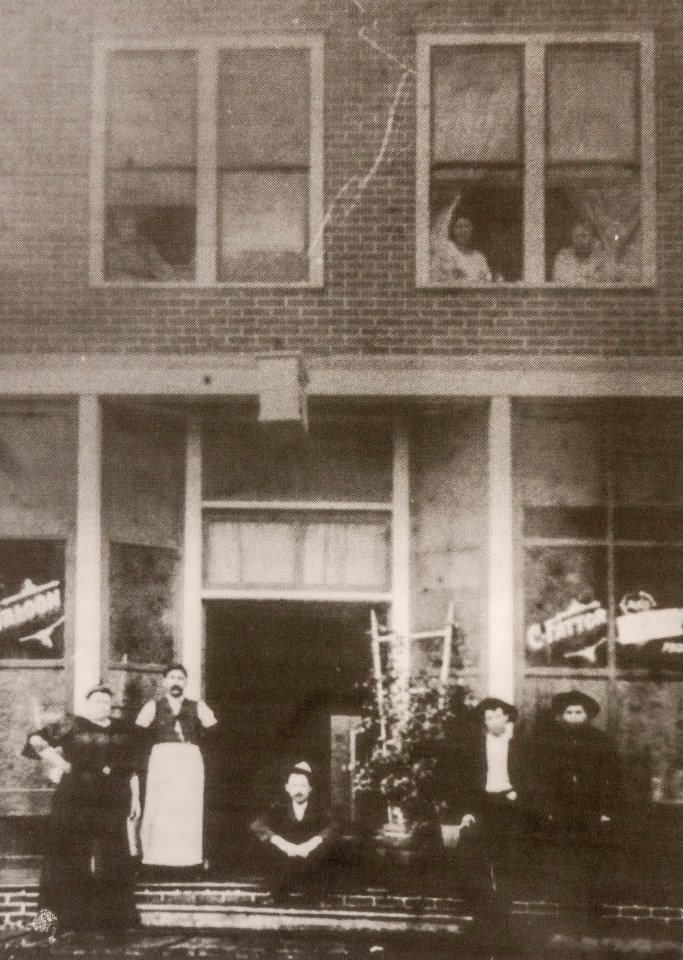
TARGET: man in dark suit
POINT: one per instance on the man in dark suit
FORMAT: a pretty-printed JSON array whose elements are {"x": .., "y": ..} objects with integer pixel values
[
  {"x": 579, "y": 780},
  {"x": 298, "y": 833},
  {"x": 481, "y": 779}
]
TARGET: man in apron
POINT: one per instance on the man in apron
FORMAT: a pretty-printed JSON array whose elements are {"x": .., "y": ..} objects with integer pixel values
[{"x": 173, "y": 819}]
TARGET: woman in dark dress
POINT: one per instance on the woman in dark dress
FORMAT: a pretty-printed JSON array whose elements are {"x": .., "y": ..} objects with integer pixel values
[{"x": 87, "y": 879}]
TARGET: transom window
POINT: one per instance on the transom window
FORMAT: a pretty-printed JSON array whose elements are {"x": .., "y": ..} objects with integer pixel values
[
  {"x": 536, "y": 160},
  {"x": 207, "y": 164}
]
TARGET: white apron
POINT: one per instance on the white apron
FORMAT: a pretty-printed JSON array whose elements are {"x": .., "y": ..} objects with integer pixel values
[{"x": 173, "y": 819}]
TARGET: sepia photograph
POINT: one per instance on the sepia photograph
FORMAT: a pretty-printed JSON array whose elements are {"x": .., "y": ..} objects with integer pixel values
[{"x": 341, "y": 479}]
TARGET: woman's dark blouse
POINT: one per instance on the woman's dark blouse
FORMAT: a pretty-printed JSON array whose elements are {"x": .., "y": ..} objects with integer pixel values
[{"x": 102, "y": 760}]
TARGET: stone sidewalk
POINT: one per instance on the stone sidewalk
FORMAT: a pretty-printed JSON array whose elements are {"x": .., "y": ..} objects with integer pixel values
[{"x": 530, "y": 940}]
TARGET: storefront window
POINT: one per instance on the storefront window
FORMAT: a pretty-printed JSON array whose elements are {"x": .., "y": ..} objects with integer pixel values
[
  {"x": 566, "y": 615},
  {"x": 142, "y": 612},
  {"x": 602, "y": 492}
]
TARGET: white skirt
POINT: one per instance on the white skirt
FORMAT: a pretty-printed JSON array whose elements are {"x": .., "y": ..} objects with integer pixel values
[{"x": 173, "y": 819}]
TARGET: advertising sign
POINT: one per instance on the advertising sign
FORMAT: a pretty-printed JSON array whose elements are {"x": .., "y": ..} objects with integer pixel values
[{"x": 31, "y": 599}]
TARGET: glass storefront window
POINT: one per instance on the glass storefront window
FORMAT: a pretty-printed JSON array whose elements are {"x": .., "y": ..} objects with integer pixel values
[
  {"x": 566, "y": 615},
  {"x": 142, "y": 611}
]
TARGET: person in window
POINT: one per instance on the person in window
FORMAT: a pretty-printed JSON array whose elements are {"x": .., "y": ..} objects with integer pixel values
[
  {"x": 579, "y": 264},
  {"x": 579, "y": 783},
  {"x": 458, "y": 261},
  {"x": 173, "y": 727},
  {"x": 299, "y": 833},
  {"x": 131, "y": 256},
  {"x": 87, "y": 876}
]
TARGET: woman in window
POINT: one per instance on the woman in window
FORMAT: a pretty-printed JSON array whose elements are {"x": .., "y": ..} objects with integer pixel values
[
  {"x": 457, "y": 260},
  {"x": 87, "y": 878},
  {"x": 579, "y": 264}
]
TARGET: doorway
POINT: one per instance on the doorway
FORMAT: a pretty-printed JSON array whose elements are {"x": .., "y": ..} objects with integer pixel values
[{"x": 276, "y": 671}]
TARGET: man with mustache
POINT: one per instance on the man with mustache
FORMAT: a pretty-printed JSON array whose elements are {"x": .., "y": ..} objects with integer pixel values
[
  {"x": 298, "y": 832},
  {"x": 173, "y": 820}
]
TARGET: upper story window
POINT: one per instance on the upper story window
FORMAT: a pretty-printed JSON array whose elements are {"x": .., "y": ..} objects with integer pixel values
[
  {"x": 536, "y": 160},
  {"x": 207, "y": 163}
]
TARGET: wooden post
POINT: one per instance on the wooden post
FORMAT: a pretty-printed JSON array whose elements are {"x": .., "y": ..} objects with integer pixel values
[
  {"x": 501, "y": 607},
  {"x": 192, "y": 620},
  {"x": 88, "y": 566},
  {"x": 400, "y": 538}
]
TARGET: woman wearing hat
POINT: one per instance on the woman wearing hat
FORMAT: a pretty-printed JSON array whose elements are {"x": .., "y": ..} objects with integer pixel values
[
  {"x": 579, "y": 778},
  {"x": 87, "y": 878}
]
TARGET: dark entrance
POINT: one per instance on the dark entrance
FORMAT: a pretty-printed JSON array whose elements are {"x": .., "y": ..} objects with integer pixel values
[{"x": 276, "y": 671}]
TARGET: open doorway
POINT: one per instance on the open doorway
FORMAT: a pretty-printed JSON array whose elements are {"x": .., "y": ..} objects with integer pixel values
[{"x": 276, "y": 671}]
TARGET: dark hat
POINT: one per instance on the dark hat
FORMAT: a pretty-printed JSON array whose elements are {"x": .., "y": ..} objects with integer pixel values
[
  {"x": 574, "y": 698},
  {"x": 174, "y": 666},
  {"x": 303, "y": 768},
  {"x": 494, "y": 703}
]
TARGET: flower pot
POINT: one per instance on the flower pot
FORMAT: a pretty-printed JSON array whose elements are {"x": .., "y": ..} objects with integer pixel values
[{"x": 450, "y": 834}]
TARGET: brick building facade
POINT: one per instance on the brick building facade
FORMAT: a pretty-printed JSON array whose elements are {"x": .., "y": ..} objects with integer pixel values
[{"x": 507, "y": 442}]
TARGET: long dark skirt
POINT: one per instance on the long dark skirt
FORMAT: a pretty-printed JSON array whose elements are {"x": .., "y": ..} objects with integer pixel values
[{"x": 88, "y": 875}]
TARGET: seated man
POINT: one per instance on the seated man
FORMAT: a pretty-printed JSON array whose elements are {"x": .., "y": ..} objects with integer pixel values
[
  {"x": 129, "y": 255},
  {"x": 580, "y": 264},
  {"x": 299, "y": 834},
  {"x": 457, "y": 260}
]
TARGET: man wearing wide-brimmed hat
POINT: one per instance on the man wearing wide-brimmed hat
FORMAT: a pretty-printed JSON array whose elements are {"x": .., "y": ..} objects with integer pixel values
[{"x": 579, "y": 778}]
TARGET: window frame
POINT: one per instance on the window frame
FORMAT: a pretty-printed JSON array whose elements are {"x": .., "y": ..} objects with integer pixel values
[
  {"x": 208, "y": 50},
  {"x": 533, "y": 120}
]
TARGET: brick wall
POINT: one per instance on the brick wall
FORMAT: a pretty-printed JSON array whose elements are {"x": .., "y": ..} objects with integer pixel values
[{"x": 369, "y": 303}]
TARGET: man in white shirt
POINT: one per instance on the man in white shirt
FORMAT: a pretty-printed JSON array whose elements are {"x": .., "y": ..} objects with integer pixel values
[{"x": 173, "y": 727}]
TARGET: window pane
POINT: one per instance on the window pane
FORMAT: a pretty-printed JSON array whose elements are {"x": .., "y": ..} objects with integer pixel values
[
  {"x": 263, "y": 226},
  {"x": 565, "y": 606},
  {"x": 296, "y": 550},
  {"x": 263, "y": 161},
  {"x": 337, "y": 459},
  {"x": 592, "y": 95},
  {"x": 649, "y": 590},
  {"x": 648, "y": 523},
  {"x": 580, "y": 523},
  {"x": 476, "y": 97},
  {"x": 31, "y": 599},
  {"x": 476, "y": 226},
  {"x": 593, "y": 231},
  {"x": 142, "y": 603},
  {"x": 150, "y": 149},
  {"x": 263, "y": 109}
]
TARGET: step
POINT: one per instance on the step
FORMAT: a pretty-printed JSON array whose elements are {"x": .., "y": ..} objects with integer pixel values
[{"x": 247, "y": 905}]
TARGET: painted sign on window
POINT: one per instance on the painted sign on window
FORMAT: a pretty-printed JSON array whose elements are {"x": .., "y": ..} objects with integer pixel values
[
  {"x": 648, "y": 636},
  {"x": 31, "y": 599}
]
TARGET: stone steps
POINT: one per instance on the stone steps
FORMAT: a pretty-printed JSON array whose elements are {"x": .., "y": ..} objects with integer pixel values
[{"x": 248, "y": 906}]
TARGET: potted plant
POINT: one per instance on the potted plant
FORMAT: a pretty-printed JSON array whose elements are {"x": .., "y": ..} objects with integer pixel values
[{"x": 404, "y": 719}]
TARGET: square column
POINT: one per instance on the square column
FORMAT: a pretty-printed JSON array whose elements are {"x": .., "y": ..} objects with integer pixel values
[
  {"x": 192, "y": 619},
  {"x": 501, "y": 599},
  {"x": 88, "y": 566}
]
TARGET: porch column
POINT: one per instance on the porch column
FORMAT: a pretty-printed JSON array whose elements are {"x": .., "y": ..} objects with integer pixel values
[
  {"x": 88, "y": 592},
  {"x": 501, "y": 653},
  {"x": 192, "y": 626},
  {"x": 400, "y": 536}
]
